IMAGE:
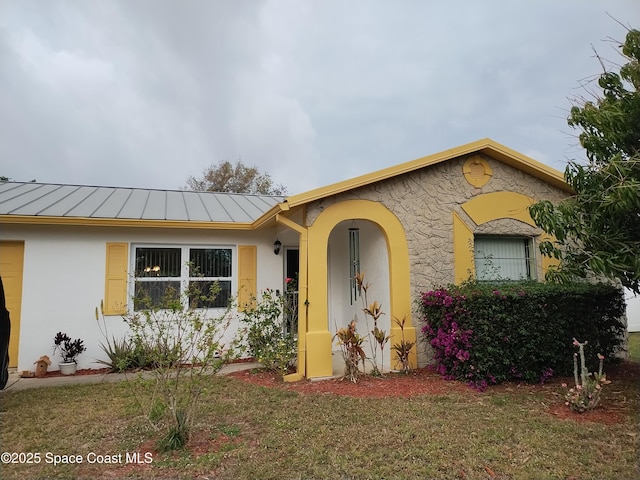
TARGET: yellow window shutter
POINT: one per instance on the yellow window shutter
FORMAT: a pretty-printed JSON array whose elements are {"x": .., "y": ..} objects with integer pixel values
[
  {"x": 247, "y": 268},
  {"x": 115, "y": 291}
]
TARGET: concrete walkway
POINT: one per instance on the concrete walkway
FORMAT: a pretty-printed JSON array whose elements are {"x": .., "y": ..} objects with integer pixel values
[{"x": 17, "y": 383}]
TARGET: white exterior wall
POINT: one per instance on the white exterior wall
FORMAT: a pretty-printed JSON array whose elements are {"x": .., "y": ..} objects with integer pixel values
[
  {"x": 374, "y": 263},
  {"x": 64, "y": 280},
  {"x": 633, "y": 311}
]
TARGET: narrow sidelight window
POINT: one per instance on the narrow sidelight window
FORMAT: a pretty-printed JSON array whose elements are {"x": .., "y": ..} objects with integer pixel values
[{"x": 354, "y": 262}]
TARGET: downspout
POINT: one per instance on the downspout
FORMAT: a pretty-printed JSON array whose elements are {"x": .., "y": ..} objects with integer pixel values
[{"x": 301, "y": 369}]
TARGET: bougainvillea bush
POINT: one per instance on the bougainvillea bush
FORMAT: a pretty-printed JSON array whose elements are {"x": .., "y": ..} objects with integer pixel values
[{"x": 488, "y": 333}]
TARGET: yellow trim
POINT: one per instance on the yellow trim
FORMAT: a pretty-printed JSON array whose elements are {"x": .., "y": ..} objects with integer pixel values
[
  {"x": 12, "y": 273},
  {"x": 467, "y": 170},
  {"x": 302, "y": 294},
  {"x": 247, "y": 276},
  {"x": 482, "y": 209},
  {"x": 115, "y": 285},
  {"x": 491, "y": 206},
  {"x": 319, "y": 337},
  {"x": 266, "y": 218},
  {"x": 464, "y": 267},
  {"x": 120, "y": 222},
  {"x": 485, "y": 146},
  {"x": 548, "y": 262}
]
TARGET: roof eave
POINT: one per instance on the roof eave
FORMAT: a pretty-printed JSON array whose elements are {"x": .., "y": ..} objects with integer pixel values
[
  {"x": 120, "y": 222},
  {"x": 268, "y": 218}
]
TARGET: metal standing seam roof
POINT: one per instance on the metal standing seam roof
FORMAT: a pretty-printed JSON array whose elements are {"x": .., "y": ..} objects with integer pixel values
[{"x": 81, "y": 201}]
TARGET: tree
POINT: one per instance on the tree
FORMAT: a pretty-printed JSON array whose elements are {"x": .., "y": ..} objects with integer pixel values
[
  {"x": 9, "y": 179},
  {"x": 597, "y": 229},
  {"x": 238, "y": 178}
]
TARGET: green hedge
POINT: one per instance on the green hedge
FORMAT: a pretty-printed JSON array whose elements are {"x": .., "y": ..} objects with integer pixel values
[{"x": 488, "y": 333}]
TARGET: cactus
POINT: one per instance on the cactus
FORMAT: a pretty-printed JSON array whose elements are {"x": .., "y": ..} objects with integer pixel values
[{"x": 586, "y": 394}]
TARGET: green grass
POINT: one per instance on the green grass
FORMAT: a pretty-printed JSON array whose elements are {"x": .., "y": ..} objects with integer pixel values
[
  {"x": 634, "y": 347},
  {"x": 246, "y": 432}
]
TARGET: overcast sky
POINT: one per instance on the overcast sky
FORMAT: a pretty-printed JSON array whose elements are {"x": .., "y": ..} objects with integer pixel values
[{"x": 146, "y": 93}]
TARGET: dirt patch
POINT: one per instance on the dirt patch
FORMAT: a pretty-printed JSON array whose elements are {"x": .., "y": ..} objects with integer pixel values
[{"x": 602, "y": 414}]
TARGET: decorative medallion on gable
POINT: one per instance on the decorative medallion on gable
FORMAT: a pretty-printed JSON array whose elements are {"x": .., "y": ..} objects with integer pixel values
[{"x": 477, "y": 171}]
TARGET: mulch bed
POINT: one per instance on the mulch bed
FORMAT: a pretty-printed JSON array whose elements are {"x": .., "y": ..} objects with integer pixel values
[
  {"x": 422, "y": 381},
  {"x": 425, "y": 381},
  {"x": 84, "y": 371}
]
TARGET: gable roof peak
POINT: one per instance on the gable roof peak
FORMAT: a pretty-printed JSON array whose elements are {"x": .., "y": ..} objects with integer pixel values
[{"x": 485, "y": 145}]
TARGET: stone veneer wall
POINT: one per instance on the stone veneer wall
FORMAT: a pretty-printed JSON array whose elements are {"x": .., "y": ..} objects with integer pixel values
[{"x": 424, "y": 200}]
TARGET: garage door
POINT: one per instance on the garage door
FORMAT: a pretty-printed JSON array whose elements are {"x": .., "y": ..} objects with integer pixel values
[{"x": 11, "y": 261}]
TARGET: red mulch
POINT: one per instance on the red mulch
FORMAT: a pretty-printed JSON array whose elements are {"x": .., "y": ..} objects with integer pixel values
[
  {"x": 421, "y": 381},
  {"x": 84, "y": 371},
  {"x": 425, "y": 381}
]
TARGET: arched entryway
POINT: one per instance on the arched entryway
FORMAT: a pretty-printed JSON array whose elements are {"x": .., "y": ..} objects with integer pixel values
[
  {"x": 357, "y": 246},
  {"x": 326, "y": 251}
]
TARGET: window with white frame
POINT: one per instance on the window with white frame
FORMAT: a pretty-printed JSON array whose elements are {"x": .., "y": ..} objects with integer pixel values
[
  {"x": 170, "y": 272},
  {"x": 504, "y": 258}
]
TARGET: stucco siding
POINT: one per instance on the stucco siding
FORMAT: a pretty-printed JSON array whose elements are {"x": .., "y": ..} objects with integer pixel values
[
  {"x": 64, "y": 280},
  {"x": 424, "y": 200}
]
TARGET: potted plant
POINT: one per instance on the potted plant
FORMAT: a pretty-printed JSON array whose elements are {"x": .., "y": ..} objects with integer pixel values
[{"x": 69, "y": 350}]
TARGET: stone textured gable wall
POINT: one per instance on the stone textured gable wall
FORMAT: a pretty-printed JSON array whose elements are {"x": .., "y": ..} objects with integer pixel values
[{"x": 424, "y": 200}]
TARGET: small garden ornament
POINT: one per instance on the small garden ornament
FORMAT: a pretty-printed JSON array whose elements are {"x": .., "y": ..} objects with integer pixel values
[{"x": 42, "y": 364}]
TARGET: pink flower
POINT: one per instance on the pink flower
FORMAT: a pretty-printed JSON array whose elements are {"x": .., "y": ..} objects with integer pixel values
[{"x": 288, "y": 279}]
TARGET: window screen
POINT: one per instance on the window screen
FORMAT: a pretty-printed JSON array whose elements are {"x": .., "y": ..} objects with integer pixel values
[
  {"x": 504, "y": 258},
  {"x": 163, "y": 274}
]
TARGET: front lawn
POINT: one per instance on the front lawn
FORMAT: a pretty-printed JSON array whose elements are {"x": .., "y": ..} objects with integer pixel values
[
  {"x": 250, "y": 431},
  {"x": 634, "y": 346}
]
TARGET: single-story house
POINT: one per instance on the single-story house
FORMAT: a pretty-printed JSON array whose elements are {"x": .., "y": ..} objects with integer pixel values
[{"x": 439, "y": 219}]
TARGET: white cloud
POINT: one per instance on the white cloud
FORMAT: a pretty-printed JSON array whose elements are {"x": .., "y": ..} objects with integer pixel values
[{"x": 147, "y": 93}]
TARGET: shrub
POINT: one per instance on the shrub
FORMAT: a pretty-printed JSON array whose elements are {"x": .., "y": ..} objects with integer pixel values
[
  {"x": 68, "y": 349},
  {"x": 403, "y": 347},
  {"x": 350, "y": 343},
  {"x": 183, "y": 344},
  {"x": 269, "y": 340},
  {"x": 126, "y": 353},
  {"x": 487, "y": 333},
  {"x": 374, "y": 312}
]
